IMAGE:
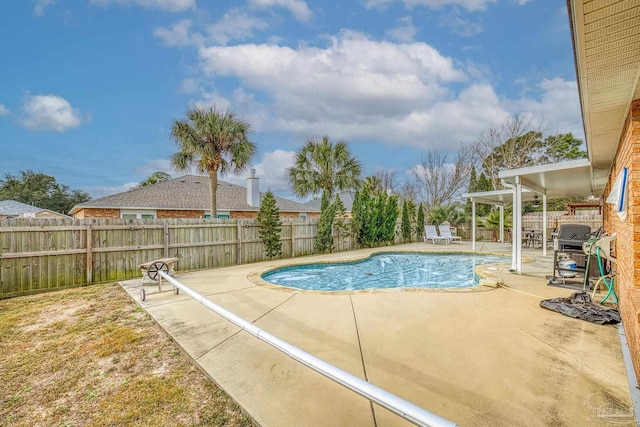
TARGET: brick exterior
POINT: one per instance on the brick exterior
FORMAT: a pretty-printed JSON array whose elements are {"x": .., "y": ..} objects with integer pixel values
[
  {"x": 164, "y": 213},
  {"x": 46, "y": 214},
  {"x": 628, "y": 231},
  {"x": 283, "y": 215},
  {"x": 243, "y": 214},
  {"x": 94, "y": 213}
]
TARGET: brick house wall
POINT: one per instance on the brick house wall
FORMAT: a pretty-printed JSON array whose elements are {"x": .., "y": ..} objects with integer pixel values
[
  {"x": 627, "y": 281},
  {"x": 164, "y": 213},
  {"x": 283, "y": 215},
  {"x": 94, "y": 213},
  {"x": 46, "y": 214}
]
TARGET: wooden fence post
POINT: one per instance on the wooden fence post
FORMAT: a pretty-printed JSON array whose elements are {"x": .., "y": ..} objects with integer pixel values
[
  {"x": 165, "y": 239},
  {"x": 89, "y": 255},
  {"x": 293, "y": 239},
  {"x": 238, "y": 243}
]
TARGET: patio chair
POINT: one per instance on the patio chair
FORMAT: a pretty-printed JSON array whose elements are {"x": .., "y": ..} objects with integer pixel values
[
  {"x": 445, "y": 231},
  {"x": 430, "y": 233}
]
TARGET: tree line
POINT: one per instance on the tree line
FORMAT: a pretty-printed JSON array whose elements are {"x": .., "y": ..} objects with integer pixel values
[
  {"x": 217, "y": 142},
  {"x": 41, "y": 190}
]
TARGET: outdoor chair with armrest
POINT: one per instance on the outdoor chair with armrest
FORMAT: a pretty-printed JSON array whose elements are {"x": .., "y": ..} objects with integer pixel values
[
  {"x": 445, "y": 231},
  {"x": 430, "y": 233}
]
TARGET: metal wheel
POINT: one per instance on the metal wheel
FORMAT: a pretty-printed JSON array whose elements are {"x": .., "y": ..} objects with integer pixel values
[
  {"x": 152, "y": 272},
  {"x": 143, "y": 294},
  {"x": 176, "y": 290}
]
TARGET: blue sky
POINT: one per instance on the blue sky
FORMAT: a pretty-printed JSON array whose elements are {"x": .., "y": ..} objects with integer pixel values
[{"x": 89, "y": 89}]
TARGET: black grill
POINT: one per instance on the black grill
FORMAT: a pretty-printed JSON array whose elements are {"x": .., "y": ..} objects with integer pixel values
[{"x": 572, "y": 236}]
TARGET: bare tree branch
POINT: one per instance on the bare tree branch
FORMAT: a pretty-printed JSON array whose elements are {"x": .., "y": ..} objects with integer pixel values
[
  {"x": 388, "y": 179},
  {"x": 438, "y": 182},
  {"x": 513, "y": 144}
]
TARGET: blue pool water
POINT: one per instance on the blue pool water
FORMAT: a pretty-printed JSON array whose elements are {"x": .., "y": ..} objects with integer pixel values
[{"x": 385, "y": 271}]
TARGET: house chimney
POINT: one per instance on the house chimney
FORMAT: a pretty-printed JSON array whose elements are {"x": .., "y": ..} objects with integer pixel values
[{"x": 253, "y": 190}]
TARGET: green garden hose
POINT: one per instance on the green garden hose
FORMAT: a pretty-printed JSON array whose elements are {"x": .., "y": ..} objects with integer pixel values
[{"x": 607, "y": 279}]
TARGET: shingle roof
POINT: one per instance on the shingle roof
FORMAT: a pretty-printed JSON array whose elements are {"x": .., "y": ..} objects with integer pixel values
[
  {"x": 189, "y": 192},
  {"x": 11, "y": 207}
]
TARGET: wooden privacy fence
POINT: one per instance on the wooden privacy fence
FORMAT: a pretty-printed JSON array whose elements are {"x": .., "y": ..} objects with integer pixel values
[
  {"x": 555, "y": 220},
  {"x": 533, "y": 221},
  {"x": 41, "y": 255},
  {"x": 38, "y": 255}
]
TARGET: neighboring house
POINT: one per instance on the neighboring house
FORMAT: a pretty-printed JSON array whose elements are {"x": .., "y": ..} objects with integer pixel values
[
  {"x": 13, "y": 209},
  {"x": 188, "y": 197}
]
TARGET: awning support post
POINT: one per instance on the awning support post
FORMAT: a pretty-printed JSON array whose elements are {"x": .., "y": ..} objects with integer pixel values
[
  {"x": 501, "y": 223},
  {"x": 544, "y": 225},
  {"x": 473, "y": 224},
  {"x": 516, "y": 257}
]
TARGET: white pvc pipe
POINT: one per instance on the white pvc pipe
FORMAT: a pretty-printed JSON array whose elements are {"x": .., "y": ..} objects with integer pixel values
[{"x": 393, "y": 403}]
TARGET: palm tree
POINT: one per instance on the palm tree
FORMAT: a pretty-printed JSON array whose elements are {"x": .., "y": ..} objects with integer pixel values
[
  {"x": 454, "y": 213},
  {"x": 492, "y": 222},
  {"x": 324, "y": 166},
  {"x": 213, "y": 141},
  {"x": 155, "y": 178}
]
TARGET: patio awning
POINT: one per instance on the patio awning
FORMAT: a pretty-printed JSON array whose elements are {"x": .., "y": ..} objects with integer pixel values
[
  {"x": 498, "y": 197},
  {"x": 576, "y": 178}
]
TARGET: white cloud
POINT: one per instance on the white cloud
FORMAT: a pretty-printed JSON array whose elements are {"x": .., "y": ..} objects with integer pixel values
[
  {"x": 158, "y": 165},
  {"x": 236, "y": 24},
  {"x": 211, "y": 99},
  {"x": 470, "y": 5},
  {"x": 363, "y": 90},
  {"x": 190, "y": 86},
  {"x": 352, "y": 69},
  {"x": 405, "y": 31},
  {"x": 3, "y": 110},
  {"x": 166, "y": 5},
  {"x": 41, "y": 5},
  {"x": 272, "y": 171},
  {"x": 377, "y": 4},
  {"x": 351, "y": 86},
  {"x": 557, "y": 105},
  {"x": 459, "y": 25},
  {"x": 176, "y": 35},
  {"x": 50, "y": 112},
  {"x": 298, "y": 8}
]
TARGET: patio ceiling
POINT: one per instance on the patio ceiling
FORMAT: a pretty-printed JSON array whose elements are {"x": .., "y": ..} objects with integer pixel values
[
  {"x": 565, "y": 179},
  {"x": 498, "y": 197},
  {"x": 606, "y": 39},
  {"x": 576, "y": 178}
]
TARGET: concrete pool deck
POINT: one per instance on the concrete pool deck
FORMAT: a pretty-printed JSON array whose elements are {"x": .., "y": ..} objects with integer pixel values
[{"x": 481, "y": 357}]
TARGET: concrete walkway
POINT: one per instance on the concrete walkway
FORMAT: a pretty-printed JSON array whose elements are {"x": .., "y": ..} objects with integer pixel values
[{"x": 482, "y": 357}]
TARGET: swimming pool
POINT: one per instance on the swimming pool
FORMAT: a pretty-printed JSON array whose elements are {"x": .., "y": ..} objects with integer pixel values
[{"x": 385, "y": 271}]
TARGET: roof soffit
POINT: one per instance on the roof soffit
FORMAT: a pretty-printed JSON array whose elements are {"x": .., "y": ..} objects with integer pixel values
[{"x": 607, "y": 49}]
